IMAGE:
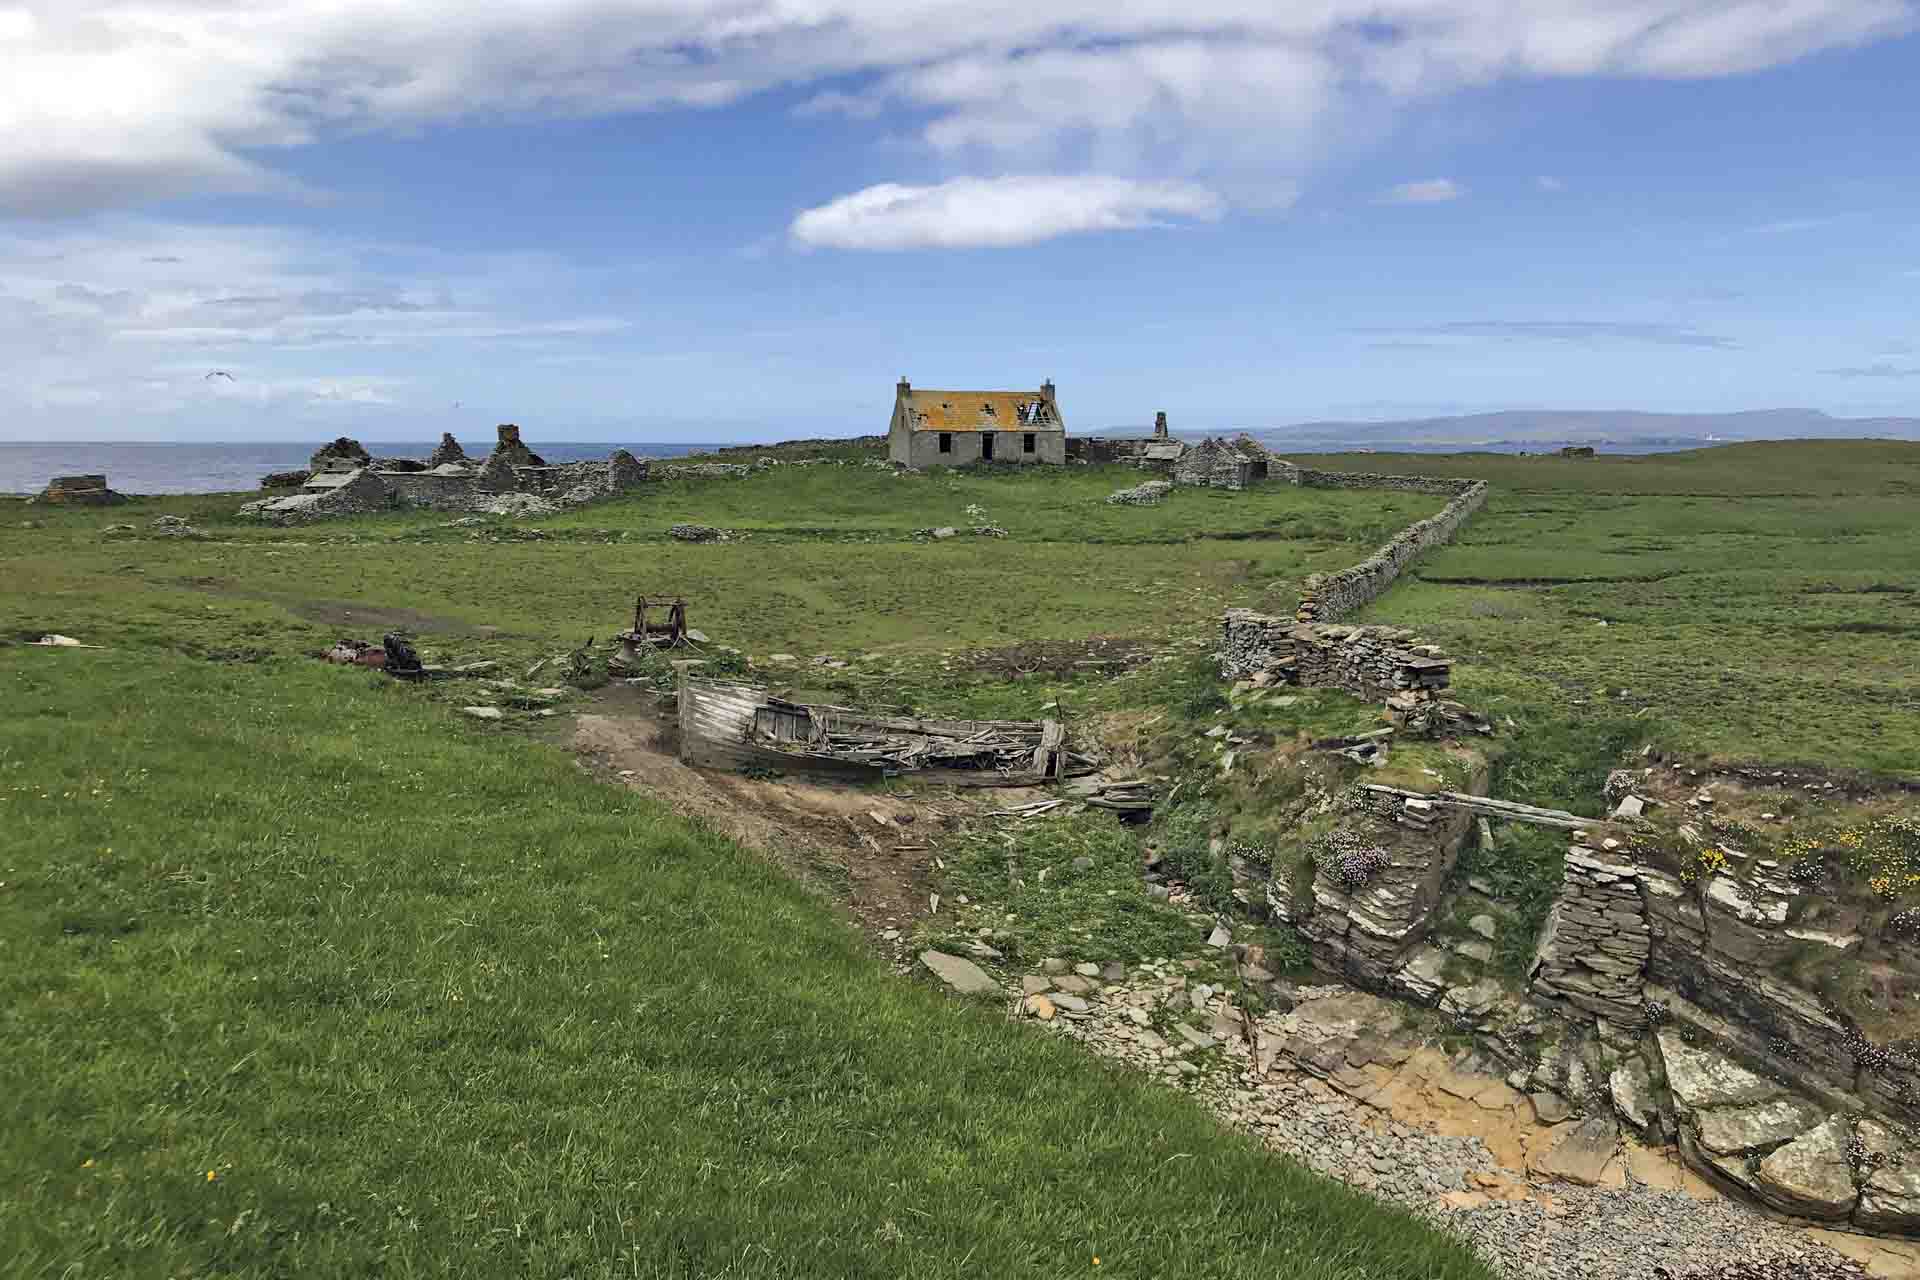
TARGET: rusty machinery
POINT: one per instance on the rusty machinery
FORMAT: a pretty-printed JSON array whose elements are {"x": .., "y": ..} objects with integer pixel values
[{"x": 671, "y": 635}]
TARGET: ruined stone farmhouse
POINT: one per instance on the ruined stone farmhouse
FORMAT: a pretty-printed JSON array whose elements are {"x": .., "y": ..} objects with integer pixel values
[{"x": 959, "y": 428}]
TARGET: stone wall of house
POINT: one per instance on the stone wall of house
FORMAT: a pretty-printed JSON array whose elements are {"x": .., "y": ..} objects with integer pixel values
[
  {"x": 1217, "y": 464},
  {"x": 363, "y": 493},
  {"x": 1335, "y": 595},
  {"x": 434, "y": 491}
]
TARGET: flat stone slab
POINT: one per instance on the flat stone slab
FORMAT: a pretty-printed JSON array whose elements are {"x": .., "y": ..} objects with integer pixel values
[
  {"x": 1581, "y": 1157},
  {"x": 1810, "y": 1176},
  {"x": 960, "y": 973},
  {"x": 1700, "y": 1077},
  {"x": 1731, "y": 1130}
]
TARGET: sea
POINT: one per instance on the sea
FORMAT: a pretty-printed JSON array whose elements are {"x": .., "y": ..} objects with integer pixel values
[{"x": 232, "y": 468}]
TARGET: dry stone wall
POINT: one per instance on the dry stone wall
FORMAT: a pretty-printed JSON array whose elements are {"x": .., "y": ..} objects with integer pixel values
[
  {"x": 1369, "y": 662},
  {"x": 1593, "y": 952},
  {"x": 1335, "y": 595}
]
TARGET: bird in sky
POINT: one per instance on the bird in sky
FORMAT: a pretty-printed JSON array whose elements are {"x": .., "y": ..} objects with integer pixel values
[{"x": 219, "y": 373}]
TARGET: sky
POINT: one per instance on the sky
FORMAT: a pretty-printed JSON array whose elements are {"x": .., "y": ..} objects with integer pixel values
[{"x": 681, "y": 220}]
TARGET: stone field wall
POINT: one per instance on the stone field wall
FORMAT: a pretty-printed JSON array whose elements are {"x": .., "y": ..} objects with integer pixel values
[
  {"x": 1369, "y": 662},
  {"x": 1335, "y": 595}
]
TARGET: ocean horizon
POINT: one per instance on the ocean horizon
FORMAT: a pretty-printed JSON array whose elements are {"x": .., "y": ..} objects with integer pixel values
[{"x": 140, "y": 467}]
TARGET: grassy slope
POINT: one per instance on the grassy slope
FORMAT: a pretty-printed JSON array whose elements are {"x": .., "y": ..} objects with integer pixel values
[{"x": 427, "y": 1001}]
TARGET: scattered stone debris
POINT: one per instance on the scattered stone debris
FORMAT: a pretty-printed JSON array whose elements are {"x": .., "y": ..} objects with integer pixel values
[
  {"x": 79, "y": 491},
  {"x": 1146, "y": 494},
  {"x": 699, "y": 533},
  {"x": 285, "y": 479},
  {"x": 57, "y": 641},
  {"x": 173, "y": 527}
]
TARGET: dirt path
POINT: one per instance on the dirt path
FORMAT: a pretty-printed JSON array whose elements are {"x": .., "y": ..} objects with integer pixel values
[{"x": 829, "y": 836}]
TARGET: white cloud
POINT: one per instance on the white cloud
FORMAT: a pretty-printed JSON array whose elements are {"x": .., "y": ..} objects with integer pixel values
[
  {"x": 1431, "y": 191},
  {"x": 1546, "y": 183},
  {"x": 130, "y": 316},
  {"x": 110, "y": 102},
  {"x": 969, "y": 212}
]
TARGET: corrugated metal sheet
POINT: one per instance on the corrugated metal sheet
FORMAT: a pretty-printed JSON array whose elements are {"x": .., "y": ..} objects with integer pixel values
[{"x": 981, "y": 411}]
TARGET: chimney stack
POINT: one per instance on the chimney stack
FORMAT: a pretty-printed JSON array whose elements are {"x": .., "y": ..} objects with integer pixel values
[
  {"x": 1046, "y": 391},
  {"x": 1160, "y": 425}
]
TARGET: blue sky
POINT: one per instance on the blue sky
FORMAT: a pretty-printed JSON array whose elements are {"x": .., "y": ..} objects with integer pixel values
[{"x": 688, "y": 219}]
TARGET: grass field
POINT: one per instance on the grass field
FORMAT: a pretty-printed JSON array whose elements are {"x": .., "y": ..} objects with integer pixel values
[
  {"x": 423, "y": 997},
  {"x": 298, "y": 982},
  {"x": 1761, "y": 602}
]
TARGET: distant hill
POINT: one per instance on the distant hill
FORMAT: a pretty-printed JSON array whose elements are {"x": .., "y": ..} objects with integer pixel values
[{"x": 1618, "y": 428}]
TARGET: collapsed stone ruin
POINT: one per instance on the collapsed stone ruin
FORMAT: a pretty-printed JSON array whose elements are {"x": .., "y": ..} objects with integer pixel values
[
  {"x": 79, "y": 491},
  {"x": 512, "y": 479}
]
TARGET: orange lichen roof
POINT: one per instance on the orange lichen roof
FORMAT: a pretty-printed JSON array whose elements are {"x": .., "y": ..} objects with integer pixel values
[{"x": 980, "y": 411}]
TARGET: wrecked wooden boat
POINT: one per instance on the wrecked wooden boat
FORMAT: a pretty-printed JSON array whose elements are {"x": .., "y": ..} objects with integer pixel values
[{"x": 726, "y": 725}]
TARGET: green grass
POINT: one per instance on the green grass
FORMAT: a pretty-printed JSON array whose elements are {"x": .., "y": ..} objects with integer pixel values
[
  {"x": 242, "y": 891},
  {"x": 1760, "y": 602},
  {"x": 433, "y": 1001},
  {"x": 829, "y": 565}
]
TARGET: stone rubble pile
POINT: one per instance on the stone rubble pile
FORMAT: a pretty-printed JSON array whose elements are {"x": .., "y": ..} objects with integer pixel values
[
  {"x": 1141, "y": 495},
  {"x": 1369, "y": 662},
  {"x": 698, "y": 533}
]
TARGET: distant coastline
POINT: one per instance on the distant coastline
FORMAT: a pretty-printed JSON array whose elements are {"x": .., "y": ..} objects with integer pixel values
[{"x": 155, "y": 468}]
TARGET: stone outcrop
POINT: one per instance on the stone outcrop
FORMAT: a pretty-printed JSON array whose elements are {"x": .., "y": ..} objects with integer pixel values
[
  {"x": 1369, "y": 904},
  {"x": 79, "y": 491},
  {"x": 1811, "y": 1176},
  {"x": 285, "y": 479},
  {"x": 448, "y": 450},
  {"x": 341, "y": 454}
]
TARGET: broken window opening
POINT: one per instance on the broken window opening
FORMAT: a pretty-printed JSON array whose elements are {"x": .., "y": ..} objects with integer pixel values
[
  {"x": 1026, "y": 443},
  {"x": 946, "y": 442},
  {"x": 986, "y": 446}
]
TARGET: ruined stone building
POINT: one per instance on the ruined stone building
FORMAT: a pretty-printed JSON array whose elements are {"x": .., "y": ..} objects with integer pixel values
[
  {"x": 958, "y": 428},
  {"x": 1222, "y": 464}
]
